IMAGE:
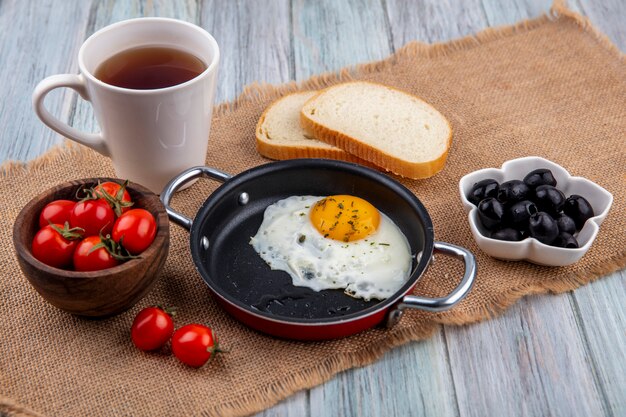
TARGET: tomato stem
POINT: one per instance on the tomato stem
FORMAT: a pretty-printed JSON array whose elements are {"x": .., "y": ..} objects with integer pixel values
[
  {"x": 116, "y": 250},
  {"x": 116, "y": 202},
  {"x": 88, "y": 194},
  {"x": 215, "y": 349},
  {"x": 74, "y": 233},
  {"x": 170, "y": 311}
]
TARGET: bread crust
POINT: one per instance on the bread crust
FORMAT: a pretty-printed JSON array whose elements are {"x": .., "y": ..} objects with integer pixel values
[
  {"x": 282, "y": 152},
  {"x": 414, "y": 170}
]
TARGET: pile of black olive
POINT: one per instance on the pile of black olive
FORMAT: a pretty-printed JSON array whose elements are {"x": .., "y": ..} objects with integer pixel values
[{"x": 533, "y": 207}]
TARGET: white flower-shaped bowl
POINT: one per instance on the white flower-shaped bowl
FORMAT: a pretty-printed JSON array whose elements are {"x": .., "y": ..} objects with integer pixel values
[{"x": 531, "y": 249}]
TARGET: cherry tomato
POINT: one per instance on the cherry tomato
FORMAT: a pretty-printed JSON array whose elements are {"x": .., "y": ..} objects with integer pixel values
[
  {"x": 57, "y": 212},
  {"x": 152, "y": 328},
  {"x": 86, "y": 259},
  {"x": 135, "y": 230},
  {"x": 120, "y": 199},
  {"x": 54, "y": 245},
  {"x": 194, "y": 344},
  {"x": 94, "y": 216}
]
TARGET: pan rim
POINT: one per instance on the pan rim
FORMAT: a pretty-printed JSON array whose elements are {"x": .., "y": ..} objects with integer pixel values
[{"x": 315, "y": 163}]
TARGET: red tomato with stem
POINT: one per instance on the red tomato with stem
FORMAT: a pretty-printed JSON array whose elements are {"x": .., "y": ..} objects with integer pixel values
[
  {"x": 194, "y": 344},
  {"x": 92, "y": 254},
  {"x": 152, "y": 328},
  {"x": 94, "y": 216},
  {"x": 57, "y": 212},
  {"x": 135, "y": 230},
  {"x": 117, "y": 196},
  {"x": 54, "y": 245}
]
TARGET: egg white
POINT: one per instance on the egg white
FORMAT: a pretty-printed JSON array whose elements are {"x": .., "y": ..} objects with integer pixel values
[{"x": 374, "y": 267}]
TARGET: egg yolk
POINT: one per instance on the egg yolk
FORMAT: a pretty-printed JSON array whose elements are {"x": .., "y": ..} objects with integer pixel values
[{"x": 344, "y": 217}]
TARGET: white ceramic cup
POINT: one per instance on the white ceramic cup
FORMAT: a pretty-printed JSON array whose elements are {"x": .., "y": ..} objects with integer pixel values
[{"x": 150, "y": 135}]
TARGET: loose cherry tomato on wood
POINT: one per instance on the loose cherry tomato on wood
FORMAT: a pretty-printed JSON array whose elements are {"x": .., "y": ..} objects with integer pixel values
[
  {"x": 88, "y": 257},
  {"x": 152, "y": 328},
  {"x": 54, "y": 245},
  {"x": 94, "y": 216},
  {"x": 57, "y": 212},
  {"x": 116, "y": 195},
  {"x": 194, "y": 344},
  {"x": 135, "y": 230}
]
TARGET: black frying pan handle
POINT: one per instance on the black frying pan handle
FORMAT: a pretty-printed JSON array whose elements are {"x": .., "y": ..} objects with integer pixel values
[
  {"x": 441, "y": 303},
  {"x": 180, "y": 180}
]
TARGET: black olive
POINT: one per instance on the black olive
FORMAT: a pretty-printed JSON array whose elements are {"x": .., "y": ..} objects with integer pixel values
[
  {"x": 517, "y": 214},
  {"x": 565, "y": 223},
  {"x": 483, "y": 189},
  {"x": 579, "y": 209},
  {"x": 512, "y": 191},
  {"x": 549, "y": 199},
  {"x": 565, "y": 240},
  {"x": 490, "y": 212},
  {"x": 543, "y": 227},
  {"x": 541, "y": 176},
  {"x": 508, "y": 233}
]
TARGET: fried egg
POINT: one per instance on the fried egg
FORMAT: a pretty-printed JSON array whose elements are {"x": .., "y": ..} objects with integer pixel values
[{"x": 335, "y": 242}]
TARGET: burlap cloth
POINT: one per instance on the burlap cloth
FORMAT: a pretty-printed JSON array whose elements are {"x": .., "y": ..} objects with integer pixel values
[{"x": 552, "y": 87}]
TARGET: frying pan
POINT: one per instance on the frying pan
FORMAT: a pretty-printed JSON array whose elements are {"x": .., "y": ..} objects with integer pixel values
[{"x": 264, "y": 299}]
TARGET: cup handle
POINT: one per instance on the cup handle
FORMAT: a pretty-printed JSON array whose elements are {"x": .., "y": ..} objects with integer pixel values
[
  {"x": 76, "y": 83},
  {"x": 180, "y": 180},
  {"x": 441, "y": 303}
]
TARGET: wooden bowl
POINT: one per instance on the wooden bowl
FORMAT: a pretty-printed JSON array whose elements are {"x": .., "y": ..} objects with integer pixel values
[{"x": 94, "y": 293}]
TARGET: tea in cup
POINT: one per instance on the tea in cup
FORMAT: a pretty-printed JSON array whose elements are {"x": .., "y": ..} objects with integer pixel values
[{"x": 151, "y": 83}]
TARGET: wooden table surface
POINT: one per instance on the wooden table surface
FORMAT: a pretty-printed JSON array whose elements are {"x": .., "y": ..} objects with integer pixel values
[{"x": 562, "y": 355}]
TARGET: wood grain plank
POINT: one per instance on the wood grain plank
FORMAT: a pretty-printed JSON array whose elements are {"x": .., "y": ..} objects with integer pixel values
[
  {"x": 511, "y": 11},
  {"x": 296, "y": 405},
  {"x": 601, "y": 314},
  {"x": 412, "y": 380},
  {"x": 255, "y": 42},
  {"x": 329, "y": 35},
  {"x": 609, "y": 16},
  {"x": 529, "y": 362},
  {"x": 433, "y": 21},
  {"x": 26, "y": 26}
]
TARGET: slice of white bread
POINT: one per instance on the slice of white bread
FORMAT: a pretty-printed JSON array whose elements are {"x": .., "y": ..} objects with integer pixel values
[
  {"x": 388, "y": 127},
  {"x": 280, "y": 136}
]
